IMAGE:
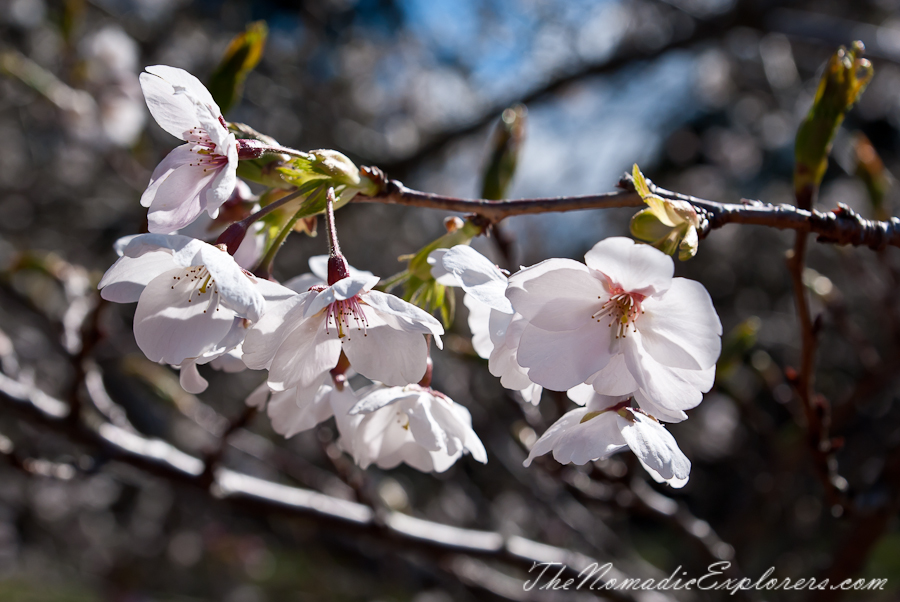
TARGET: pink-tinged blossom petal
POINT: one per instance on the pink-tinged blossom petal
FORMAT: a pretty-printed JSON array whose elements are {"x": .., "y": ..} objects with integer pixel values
[
  {"x": 383, "y": 351},
  {"x": 671, "y": 389},
  {"x": 125, "y": 280},
  {"x": 412, "y": 425},
  {"x": 237, "y": 290},
  {"x": 614, "y": 379},
  {"x": 174, "y": 322},
  {"x": 190, "y": 378},
  {"x": 173, "y": 96},
  {"x": 636, "y": 268},
  {"x": 408, "y": 317},
  {"x": 177, "y": 201},
  {"x": 479, "y": 320},
  {"x": 575, "y": 440},
  {"x": 681, "y": 328},
  {"x": 300, "y": 409},
  {"x": 222, "y": 185},
  {"x": 561, "y": 360},
  {"x": 655, "y": 448},
  {"x": 178, "y": 157},
  {"x": 556, "y": 294},
  {"x": 267, "y": 335},
  {"x": 477, "y": 276},
  {"x": 306, "y": 354},
  {"x": 343, "y": 289}
]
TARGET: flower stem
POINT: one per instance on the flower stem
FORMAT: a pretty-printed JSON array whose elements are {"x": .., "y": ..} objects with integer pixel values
[
  {"x": 234, "y": 234},
  {"x": 334, "y": 247},
  {"x": 338, "y": 269},
  {"x": 264, "y": 268}
]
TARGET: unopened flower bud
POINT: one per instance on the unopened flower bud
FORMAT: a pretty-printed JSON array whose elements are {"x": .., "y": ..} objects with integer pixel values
[
  {"x": 337, "y": 166},
  {"x": 232, "y": 237},
  {"x": 337, "y": 269}
]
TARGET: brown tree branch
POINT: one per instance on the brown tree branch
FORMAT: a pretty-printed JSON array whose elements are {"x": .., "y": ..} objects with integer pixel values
[
  {"x": 164, "y": 460},
  {"x": 841, "y": 226}
]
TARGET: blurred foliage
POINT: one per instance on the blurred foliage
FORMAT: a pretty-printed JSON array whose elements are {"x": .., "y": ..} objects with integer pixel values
[
  {"x": 226, "y": 84},
  {"x": 845, "y": 78},
  {"x": 381, "y": 81}
]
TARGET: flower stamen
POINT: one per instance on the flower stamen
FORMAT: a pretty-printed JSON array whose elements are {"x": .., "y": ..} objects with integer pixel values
[{"x": 623, "y": 310}]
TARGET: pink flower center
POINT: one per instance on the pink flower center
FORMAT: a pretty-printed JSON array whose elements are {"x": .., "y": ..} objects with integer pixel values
[
  {"x": 341, "y": 312},
  {"x": 622, "y": 309},
  {"x": 205, "y": 150}
]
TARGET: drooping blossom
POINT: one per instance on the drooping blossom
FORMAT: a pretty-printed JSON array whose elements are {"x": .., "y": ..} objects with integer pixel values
[
  {"x": 495, "y": 326},
  {"x": 607, "y": 425},
  {"x": 199, "y": 175},
  {"x": 300, "y": 339},
  {"x": 299, "y": 409},
  {"x": 413, "y": 424},
  {"x": 621, "y": 323},
  {"x": 194, "y": 301}
]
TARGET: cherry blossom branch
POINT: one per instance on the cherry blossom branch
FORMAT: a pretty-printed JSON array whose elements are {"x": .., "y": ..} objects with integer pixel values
[
  {"x": 266, "y": 497},
  {"x": 841, "y": 226}
]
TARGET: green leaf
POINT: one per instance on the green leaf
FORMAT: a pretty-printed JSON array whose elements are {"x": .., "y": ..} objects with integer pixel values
[{"x": 243, "y": 54}]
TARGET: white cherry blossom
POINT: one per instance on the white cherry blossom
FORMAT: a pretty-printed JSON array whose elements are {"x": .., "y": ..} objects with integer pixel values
[
  {"x": 194, "y": 301},
  {"x": 607, "y": 425},
  {"x": 621, "y": 323},
  {"x": 197, "y": 176},
  {"x": 300, "y": 339},
  {"x": 494, "y": 325},
  {"x": 413, "y": 424},
  {"x": 299, "y": 409}
]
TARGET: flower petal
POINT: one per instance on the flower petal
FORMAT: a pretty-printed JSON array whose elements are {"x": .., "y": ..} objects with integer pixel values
[
  {"x": 172, "y": 95},
  {"x": 409, "y": 317},
  {"x": 125, "y": 280},
  {"x": 614, "y": 379},
  {"x": 237, "y": 290},
  {"x": 479, "y": 320},
  {"x": 478, "y": 277},
  {"x": 222, "y": 185},
  {"x": 300, "y": 409},
  {"x": 560, "y": 360},
  {"x": 190, "y": 379},
  {"x": 656, "y": 449},
  {"x": 280, "y": 320},
  {"x": 635, "y": 267},
  {"x": 572, "y": 440},
  {"x": 307, "y": 353},
  {"x": 384, "y": 352},
  {"x": 179, "y": 156},
  {"x": 172, "y": 323},
  {"x": 343, "y": 289},
  {"x": 381, "y": 397},
  {"x": 178, "y": 200},
  {"x": 556, "y": 294},
  {"x": 681, "y": 328}
]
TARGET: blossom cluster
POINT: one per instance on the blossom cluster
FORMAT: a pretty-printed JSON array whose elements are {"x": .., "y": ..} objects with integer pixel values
[{"x": 631, "y": 345}]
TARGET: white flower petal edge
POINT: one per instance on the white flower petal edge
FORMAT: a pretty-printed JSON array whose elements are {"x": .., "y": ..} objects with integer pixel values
[
  {"x": 474, "y": 272},
  {"x": 620, "y": 323},
  {"x": 414, "y": 425},
  {"x": 195, "y": 177},
  {"x": 606, "y": 426},
  {"x": 192, "y": 299},
  {"x": 299, "y": 409},
  {"x": 301, "y": 338}
]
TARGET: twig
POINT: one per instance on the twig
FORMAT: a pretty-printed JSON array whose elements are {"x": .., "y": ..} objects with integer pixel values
[
  {"x": 166, "y": 461},
  {"x": 841, "y": 226}
]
